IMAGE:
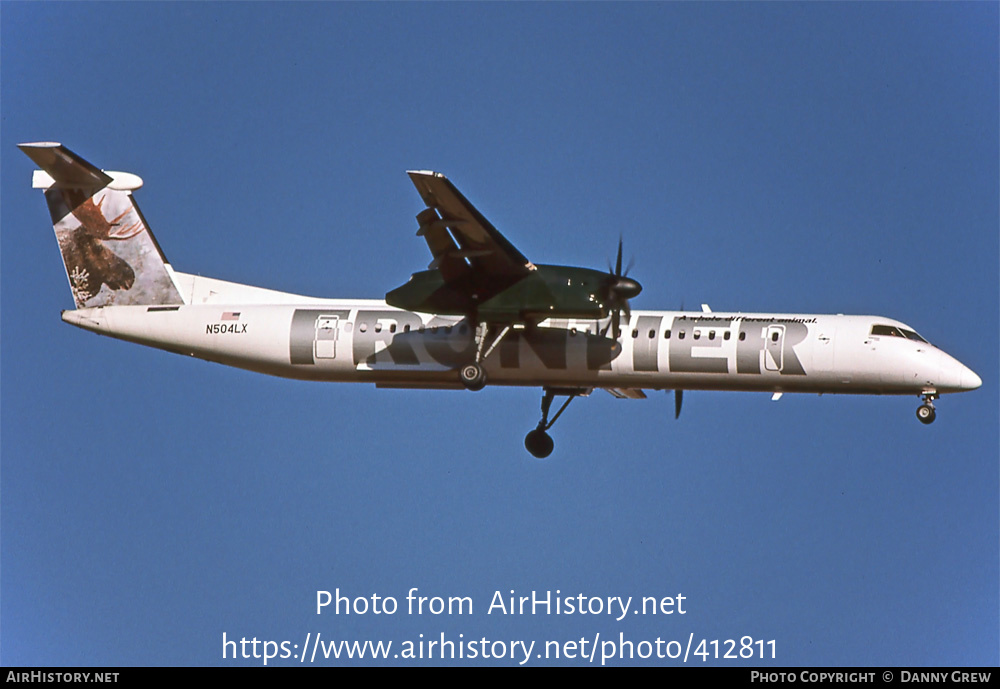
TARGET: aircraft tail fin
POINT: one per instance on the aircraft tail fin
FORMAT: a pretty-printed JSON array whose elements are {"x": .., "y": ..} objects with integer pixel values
[{"x": 110, "y": 254}]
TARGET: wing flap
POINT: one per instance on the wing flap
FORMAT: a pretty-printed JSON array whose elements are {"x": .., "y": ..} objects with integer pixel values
[
  {"x": 626, "y": 393},
  {"x": 442, "y": 246}
]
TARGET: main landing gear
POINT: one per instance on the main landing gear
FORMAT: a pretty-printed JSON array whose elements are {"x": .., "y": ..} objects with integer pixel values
[
  {"x": 925, "y": 412},
  {"x": 473, "y": 376},
  {"x": 538, "y": 442}
]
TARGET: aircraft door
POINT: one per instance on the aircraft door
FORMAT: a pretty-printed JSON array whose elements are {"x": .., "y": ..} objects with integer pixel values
[
  {"x": 774, "y": 347},
  {"x": 325, "y": 343}
]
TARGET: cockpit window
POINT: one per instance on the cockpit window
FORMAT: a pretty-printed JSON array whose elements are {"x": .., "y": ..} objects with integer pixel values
[
  {"x": 886, "y": 330},
  {"x": 893, "y": 331},
  {"x": 910, "y": 335}
]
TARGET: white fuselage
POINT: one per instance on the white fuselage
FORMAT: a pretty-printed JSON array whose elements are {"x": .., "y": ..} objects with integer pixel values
[{"x": 368, "y": 341}]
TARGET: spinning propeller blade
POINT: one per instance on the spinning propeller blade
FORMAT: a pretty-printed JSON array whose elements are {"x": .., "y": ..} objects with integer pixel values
[{"x": 620, "y": 288}]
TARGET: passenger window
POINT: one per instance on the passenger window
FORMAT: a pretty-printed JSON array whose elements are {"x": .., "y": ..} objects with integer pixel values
[
  {"x": 378, "y": 327},
  {"x": 774, "y": 337},
  {"x": 680, "y": 335},
  {"x": 392, "y": 328},
  {"x": 666, "y": 335},
  {"x": 652, "y": 334},
  {"x": 697, "y": 334},
  {"x": 711, "y": 334},
  {"x": 743, "y": 336},
  {"x": 635, "y": 334},
  {"x": 406, "y": 328},
  {"x": 725, "y": 335}
]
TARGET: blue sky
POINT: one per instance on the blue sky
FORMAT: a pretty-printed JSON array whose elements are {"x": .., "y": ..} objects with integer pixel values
[{"x": 781, "y": 157}]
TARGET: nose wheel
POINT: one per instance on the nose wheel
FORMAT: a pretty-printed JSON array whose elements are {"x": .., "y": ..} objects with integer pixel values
[{"x": 925, "y": 412}]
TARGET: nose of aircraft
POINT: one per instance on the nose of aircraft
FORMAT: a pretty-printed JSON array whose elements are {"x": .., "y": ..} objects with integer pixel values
[
  {"x": 957, "y": 376},
  {"x": 969, "y": 380}
]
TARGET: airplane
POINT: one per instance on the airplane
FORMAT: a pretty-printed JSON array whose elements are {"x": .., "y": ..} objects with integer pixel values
[{"x": 481, "y": 313}]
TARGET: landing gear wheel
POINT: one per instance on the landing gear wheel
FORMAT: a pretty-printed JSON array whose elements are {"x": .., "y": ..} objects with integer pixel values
[
  {"x": 473, "y": 376},
  {"x": 926, "y": 414},
  {"x": 539, "y": 443}
]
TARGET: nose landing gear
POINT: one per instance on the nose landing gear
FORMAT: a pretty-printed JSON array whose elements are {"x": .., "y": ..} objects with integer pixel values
[{"x": 925, "y": 412}]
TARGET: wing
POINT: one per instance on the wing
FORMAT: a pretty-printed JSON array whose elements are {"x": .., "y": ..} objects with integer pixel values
[{"x": 450, "y": 218}]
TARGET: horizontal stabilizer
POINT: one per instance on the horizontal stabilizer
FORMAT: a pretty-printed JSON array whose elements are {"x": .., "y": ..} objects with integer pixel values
[{"x": 67, "y": 169}]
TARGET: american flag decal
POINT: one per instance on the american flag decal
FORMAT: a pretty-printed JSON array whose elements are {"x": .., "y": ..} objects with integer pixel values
[{"x": 231, "y": 316}]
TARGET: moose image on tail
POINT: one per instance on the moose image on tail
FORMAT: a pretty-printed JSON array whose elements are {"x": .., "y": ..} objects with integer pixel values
[{"x": 109, "y": 253}]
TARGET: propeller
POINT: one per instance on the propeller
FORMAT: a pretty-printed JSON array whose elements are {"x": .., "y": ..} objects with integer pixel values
[{"x": 620, "y": 288}]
